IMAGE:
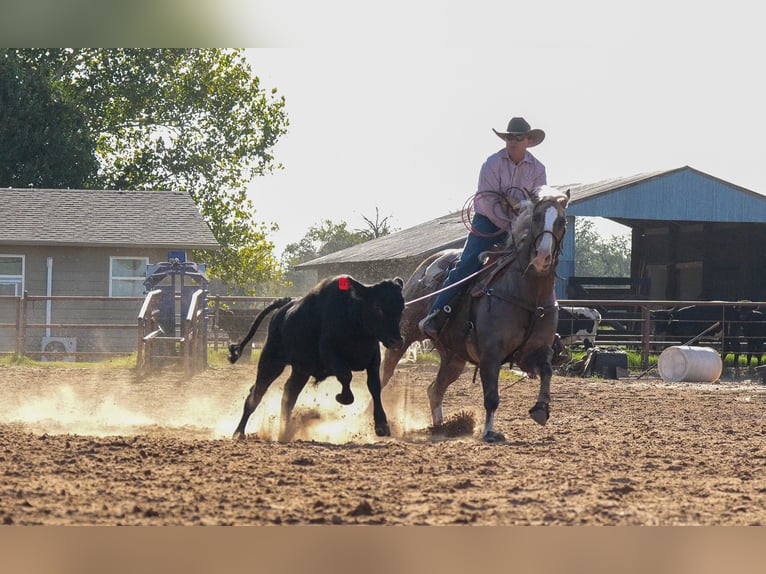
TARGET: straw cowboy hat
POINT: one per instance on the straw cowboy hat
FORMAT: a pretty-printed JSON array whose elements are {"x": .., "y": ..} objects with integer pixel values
[{"x": 520, "y": 126}]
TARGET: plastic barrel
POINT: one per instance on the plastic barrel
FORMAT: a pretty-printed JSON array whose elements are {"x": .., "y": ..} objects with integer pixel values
[{"x": 692, "y": 364}]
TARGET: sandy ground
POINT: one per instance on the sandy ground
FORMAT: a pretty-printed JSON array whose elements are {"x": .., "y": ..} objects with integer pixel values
[{"x": 84, "y": 446}]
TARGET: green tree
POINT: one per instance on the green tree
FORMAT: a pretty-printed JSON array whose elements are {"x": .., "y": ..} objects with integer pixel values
[
  {"x": 596, "y": 256},
  {"x": 45, "y": 143},
  {"x": 194, "y": 120},
  {"x": 325, "y": 238},
  {"x": 322, "y": 239}
]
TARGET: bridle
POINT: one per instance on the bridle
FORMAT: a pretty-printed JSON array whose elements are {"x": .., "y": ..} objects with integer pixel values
[{"x": 557, "y": 241}]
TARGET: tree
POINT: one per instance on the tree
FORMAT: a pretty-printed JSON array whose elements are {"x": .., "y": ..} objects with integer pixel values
[
  {"x": 596, "y": 256},
  {"x": 323, "y": 239},
  {"x": 194, "y": 120},
  {"x": 379, "y": 227},
  {"x": 44, "y": 140}
]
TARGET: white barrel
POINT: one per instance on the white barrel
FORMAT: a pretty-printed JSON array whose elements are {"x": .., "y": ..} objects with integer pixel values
[{"x": 692, "y": 364}]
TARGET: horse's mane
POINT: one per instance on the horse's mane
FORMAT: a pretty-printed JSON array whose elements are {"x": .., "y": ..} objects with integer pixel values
[{"x": 523, "y": 222}]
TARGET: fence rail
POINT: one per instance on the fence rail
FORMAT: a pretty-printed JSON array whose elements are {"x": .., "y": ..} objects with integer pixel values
[{"x": 625, "y": 322}]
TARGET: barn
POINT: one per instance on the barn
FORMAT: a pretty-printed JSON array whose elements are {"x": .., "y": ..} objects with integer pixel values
[
  {"x": 87, "y": 243},
  {"x": 694, "y": 247},
  {"x": 693, "y": 236}
]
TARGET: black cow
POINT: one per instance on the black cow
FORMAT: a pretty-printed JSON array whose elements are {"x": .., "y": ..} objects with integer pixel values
[
  {"x": 753, "y": 331},
  {"x": 578, "y": 325},
  {"x": 333, "y": 330},
  {"x": 685, "y": 324}
]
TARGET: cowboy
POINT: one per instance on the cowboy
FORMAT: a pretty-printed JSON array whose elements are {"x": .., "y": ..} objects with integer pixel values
[{"x": 507, "y": 177}]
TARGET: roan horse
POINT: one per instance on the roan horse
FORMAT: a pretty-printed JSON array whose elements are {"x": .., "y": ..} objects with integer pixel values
[{"x": 507, "y": 314}]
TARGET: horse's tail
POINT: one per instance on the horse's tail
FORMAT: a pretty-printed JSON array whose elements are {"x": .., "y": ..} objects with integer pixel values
[{"x": 235, "y": 349}]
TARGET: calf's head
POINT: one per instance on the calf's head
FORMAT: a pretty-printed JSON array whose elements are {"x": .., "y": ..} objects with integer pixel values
[{"x": 379, "y": 308}]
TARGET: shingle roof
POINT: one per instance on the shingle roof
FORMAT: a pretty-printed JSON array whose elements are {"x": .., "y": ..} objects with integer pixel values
[{"x": 102, "y": 217}]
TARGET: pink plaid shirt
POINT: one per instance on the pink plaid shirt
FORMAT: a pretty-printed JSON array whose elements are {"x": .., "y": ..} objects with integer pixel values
[{"x": 500, "y": 174}]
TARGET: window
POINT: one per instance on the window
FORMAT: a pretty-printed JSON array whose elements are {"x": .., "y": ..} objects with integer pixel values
[
  {"x": 12, "y": 275},
  {"x": 126, "y": 276}
]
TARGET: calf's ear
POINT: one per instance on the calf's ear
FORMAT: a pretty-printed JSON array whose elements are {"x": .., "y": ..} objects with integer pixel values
[{"x": 399, "y": 281}]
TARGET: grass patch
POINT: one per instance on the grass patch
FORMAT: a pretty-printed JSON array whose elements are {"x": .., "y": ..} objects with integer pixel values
[{"x": 118, "y": 362}]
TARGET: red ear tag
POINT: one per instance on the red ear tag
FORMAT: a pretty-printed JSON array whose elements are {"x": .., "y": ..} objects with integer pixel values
[{"x": 343, "y": 284}]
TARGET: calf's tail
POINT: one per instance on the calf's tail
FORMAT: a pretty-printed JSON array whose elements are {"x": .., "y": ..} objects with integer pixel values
[{"x": 235, "y": 349}]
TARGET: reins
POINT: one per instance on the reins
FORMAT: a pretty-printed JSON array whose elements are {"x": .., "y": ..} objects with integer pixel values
[{"x": 471, "y": 276}]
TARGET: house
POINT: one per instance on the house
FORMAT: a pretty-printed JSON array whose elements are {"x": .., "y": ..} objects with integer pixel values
[
  {"x": 692, "y": 238},
  {"x": 95, "y": 243}
]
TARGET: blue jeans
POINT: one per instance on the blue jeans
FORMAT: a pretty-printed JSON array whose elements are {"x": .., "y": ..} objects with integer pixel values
[{"x": 469, "y": 260}]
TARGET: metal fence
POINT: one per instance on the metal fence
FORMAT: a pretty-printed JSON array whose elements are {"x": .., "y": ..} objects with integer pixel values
[{"x": 93, "y": 328}]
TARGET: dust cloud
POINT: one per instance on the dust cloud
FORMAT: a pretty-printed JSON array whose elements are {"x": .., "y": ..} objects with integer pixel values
[{"x": 208, "y": 405}]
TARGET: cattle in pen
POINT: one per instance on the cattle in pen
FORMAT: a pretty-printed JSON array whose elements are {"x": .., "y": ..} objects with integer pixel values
[{"x": 578, "y": 325}]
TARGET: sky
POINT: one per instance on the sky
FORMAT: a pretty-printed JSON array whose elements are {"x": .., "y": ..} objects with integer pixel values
[{"x": 392, "y": 106}]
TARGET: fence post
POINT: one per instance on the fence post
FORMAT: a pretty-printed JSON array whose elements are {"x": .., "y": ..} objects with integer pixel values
[
  {"x": 645, "y": 335},
  {"x": 24, "y": 320},
  {"x": 216, "y": 318}
]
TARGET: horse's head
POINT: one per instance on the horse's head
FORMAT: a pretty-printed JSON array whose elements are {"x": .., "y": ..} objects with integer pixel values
[{"x": 539, "y": 229}]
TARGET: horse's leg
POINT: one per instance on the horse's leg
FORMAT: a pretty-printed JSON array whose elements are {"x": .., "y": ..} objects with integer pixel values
[
  {"x": 540, "y": 412},
  {"x": 449, "y": 370},
  {"x": 391, "y": 358},
  {"x": 489, "y": 370},
  {"x": 292, "y": 389}
]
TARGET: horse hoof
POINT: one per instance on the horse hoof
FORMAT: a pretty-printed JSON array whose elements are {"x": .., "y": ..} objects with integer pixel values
[
  {"x": 493, "y": 437},
  {"x": 540, "y": 413},
  {"x": 345, "y": 398},
  {"x": 383, "y": 430}
]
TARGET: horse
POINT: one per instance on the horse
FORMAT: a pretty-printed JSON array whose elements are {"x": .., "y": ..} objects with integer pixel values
[{"x": 507, "y": 314}]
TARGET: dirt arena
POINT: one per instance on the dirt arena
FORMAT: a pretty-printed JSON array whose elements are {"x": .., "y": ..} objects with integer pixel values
[{"x": 90, "y": 446}]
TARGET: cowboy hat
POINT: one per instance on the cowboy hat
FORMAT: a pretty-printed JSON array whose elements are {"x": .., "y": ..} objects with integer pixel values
[{"x": 520, "y": 126}]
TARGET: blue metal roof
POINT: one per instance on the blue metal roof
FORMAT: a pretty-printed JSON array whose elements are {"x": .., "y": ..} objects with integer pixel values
[{"x": 683, "y": 194}]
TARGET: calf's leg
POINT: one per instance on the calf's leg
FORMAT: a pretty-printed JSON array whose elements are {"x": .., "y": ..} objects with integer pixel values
[
  {"x": 373, "y": 385},
  {"x": 345, "y": 397},
  {"x": 269, "y": 368},
  {"x": 293, "y": 387}
]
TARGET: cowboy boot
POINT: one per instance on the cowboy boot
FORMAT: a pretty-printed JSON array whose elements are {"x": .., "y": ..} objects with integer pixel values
[{"x": 433, "y": 323}]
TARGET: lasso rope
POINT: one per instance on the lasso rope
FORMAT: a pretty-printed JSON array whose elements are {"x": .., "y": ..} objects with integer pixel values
[
  {"x": 466, "y": 215},
  {"x": 468, "y": 210},
  {"x": 471, "y": 276}
]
